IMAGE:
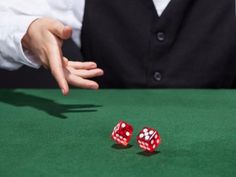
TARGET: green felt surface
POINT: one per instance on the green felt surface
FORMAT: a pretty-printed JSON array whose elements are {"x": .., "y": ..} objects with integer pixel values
[{"x": 43, "y": 134}]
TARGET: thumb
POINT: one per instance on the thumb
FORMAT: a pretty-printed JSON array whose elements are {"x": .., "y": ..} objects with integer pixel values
[{"x": 61, "y": 31}]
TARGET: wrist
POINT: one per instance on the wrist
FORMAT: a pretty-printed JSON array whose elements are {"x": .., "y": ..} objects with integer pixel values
[{"x": 26, "y": 38}]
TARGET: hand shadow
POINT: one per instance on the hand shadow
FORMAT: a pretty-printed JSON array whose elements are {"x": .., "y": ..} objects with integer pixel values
[{"x": 51, "y": 107}]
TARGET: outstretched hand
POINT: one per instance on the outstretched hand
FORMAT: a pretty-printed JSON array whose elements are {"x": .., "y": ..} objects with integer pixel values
[{"x": 44, "y": 38}]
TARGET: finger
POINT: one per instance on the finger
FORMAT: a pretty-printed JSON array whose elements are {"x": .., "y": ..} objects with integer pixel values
[
  {"x": 65, "y": 62},
  {"x": 67, "y": 32},
  {"x": 80, "y": 82},
  {"x": 86, "y": 74},
  {"x": 60, "y": 30},
  {"x": 82, "y": 65},
  {"x": 55, "y": 62},
  {"x": 44, "y": 62}
]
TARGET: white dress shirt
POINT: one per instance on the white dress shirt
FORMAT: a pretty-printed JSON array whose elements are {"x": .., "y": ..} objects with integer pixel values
[{"x": 17, "y": 15}]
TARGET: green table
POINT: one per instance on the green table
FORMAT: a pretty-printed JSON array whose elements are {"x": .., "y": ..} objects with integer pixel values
[{"x": 43, "y": 134}]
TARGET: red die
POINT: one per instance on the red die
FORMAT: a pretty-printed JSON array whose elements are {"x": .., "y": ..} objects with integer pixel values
[
  {"x": 122, "y": 133},
  {"x": 148, "y": 139}
]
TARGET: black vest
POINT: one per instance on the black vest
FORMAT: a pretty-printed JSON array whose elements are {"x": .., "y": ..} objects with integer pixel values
[{"x": 192, "y": 44}]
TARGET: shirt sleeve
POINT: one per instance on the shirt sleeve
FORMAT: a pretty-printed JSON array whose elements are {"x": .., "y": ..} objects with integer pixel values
[
  {"x": 16, "y": 17},
  {"x": 12, "y": 54}
]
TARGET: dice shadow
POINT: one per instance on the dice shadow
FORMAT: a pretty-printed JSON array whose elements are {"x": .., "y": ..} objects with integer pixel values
[
  {"x": 120, "y": 147},
  {"x": 148, "y": 154}
]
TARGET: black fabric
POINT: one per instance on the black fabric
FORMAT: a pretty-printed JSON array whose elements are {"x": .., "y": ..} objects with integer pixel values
[{"x": 192, "y": 44}]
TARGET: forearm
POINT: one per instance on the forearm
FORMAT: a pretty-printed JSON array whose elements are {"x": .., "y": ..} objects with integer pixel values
[
  {"x": 15, "y": 19},
  {"x": 12, "y": 54}
]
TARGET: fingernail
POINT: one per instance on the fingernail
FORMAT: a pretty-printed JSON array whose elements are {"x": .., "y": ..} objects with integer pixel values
[
  {"x": 95, "y": 87},
  {"x": 93, "y": 65},
  {"x": 63, "y": 92}
]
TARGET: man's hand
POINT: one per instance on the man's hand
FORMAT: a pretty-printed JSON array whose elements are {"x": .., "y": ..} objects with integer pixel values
[{"x": 44, "y": 39}]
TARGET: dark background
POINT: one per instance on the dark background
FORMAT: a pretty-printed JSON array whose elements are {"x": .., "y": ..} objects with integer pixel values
[{"x": 27, "y": 77}]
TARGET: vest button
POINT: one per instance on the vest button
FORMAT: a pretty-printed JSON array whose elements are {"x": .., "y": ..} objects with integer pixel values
[
  {"x": 161, "y": 36},
  {"x": 157, "y": 76}
]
